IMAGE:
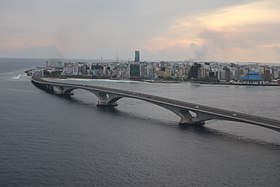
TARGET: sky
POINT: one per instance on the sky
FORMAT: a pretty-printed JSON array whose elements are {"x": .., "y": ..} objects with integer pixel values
[{"x": 197, "y": 30}]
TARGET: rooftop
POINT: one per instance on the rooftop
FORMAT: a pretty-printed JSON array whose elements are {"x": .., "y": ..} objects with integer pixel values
[{"x": 252, "y": 76}]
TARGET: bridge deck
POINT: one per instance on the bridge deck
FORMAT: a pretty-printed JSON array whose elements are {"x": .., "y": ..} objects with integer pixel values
[{"x": 226, "y": 114}]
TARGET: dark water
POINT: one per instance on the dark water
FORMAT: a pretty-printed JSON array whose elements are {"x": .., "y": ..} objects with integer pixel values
[{"x": 46, "y": 140}]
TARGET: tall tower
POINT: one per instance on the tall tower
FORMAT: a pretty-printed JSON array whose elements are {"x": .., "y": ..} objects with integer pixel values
[{"x": 137, "y": 56}]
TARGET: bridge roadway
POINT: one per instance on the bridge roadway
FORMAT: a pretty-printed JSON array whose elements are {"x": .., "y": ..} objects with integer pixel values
[{"x": 190, "y": 113}]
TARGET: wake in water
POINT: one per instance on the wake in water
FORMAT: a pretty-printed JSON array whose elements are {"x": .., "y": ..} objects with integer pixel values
[{"x": 17, "y": 77}]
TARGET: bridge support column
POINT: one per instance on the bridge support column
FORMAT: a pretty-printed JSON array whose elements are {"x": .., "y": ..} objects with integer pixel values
[
  {"x": 49, "y": 88},
  {"x": 106, "y": 99},
  {"x": 187, "y": 117},
  {"x": 102, "y": 104},
  {"x": 198, "y": 118},
  {"x": 60, "y": 90}
]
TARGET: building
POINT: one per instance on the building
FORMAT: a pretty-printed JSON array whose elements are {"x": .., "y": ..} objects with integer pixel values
[
  {"x": 167, "y": 73},
  {"x": 97, "y": 71},
  {"x": 134, "y": 71},
  {"x": 194, "y": 71},
  {"x": 54, "y": 63},
  {"x": 150, "y": 72},
  {"x": 252, "y": 78},
  {"x": 137, "y": 56},
  {"x": 227, "y": 74},
  {"x": 70, "y": 69}
]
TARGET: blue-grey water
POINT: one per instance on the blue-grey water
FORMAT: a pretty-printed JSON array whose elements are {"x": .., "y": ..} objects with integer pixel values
[{"x": 47, "y": 140}]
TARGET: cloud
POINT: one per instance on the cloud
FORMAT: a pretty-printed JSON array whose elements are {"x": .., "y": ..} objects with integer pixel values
[
  {"x": 178, "y": 30},
  {"x": 242, "y": 15},
  {"x": 235, "y": 33}
]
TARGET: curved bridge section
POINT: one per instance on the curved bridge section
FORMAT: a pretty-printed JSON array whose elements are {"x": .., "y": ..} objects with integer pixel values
[{"x": 189, "y": 113}]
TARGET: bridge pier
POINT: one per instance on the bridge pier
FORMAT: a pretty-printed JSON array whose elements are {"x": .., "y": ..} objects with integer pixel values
[
  {"x": 200, "y": 123},
  {"x": 197, "y": 118},
  {"x": 187, "y": 116},
  {"x": 106, "y": 99},
  {"x": 104, "y": 104},
  {"x": 189, "y": 119},
  {"x": 61, "y": 90}
]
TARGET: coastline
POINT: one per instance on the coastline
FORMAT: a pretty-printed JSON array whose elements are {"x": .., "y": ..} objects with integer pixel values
[
  {"x": 86, "y": 77},
  {"x": 238, "y": 84}
]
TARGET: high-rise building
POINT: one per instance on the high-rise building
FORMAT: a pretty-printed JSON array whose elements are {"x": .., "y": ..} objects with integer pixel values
[
  {"x": 137, "y": 56},
  {"x": 194, "y": 71},
  {"x": 134, "y": 70},
  {"x": 60, "y": 65}
]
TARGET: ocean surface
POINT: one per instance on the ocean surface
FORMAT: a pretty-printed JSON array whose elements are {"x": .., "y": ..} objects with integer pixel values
[{"x": 47, "y": 140}]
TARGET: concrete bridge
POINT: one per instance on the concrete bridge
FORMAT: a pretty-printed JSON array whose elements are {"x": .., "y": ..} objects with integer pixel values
[{"x": 189, "y": 113}]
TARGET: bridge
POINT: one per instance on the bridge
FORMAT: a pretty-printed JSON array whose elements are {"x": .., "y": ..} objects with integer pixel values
[{"x": 189, "y": 113}]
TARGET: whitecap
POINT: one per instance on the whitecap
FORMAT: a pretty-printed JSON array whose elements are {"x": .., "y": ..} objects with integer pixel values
[{"x": 17, "y": 77}]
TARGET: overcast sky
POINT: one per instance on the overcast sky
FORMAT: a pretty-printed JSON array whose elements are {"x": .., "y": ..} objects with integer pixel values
[{"x": 218, "y": 30}]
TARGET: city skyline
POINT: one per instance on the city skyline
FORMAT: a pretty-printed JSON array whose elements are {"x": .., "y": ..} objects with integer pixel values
[
  {"x": 162, "y": 30},
  {"x": 213, "y": 72}
]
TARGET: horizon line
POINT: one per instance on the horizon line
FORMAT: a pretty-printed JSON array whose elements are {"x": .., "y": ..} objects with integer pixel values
[{"x": 104, "y": 59}]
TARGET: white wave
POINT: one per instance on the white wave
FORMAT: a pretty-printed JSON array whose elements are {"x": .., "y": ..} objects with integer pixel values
[{"x": 17, "y": 77}]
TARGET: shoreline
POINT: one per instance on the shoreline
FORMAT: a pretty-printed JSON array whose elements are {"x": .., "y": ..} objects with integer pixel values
[
  {"x": 30, "y": 71},
  {"x": 239, "y": 84},
  {"x": 168, "y": 82}
]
